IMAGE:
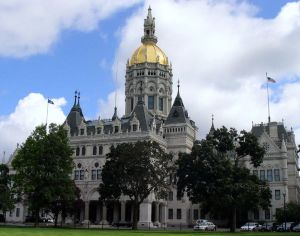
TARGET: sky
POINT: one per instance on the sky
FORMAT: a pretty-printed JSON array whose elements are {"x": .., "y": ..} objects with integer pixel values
[{"x": 220, "y": 51}]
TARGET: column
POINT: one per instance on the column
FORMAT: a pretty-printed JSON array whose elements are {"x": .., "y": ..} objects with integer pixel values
[
  {"x": 116, "y": 213},
  {"x": 123, "y": 208},
  {"x": 164, "y": 214},
  {"x": 156, "y": 218},
  {"x": 145, "y": 215},
  {"x": 104, "y": 215},
  {"x": 86, "y": 212}
]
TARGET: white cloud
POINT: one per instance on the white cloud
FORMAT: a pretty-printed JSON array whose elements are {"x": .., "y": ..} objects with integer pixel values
[
  {"x": 32, "y": 26},
  {"x": 107, "y": 106},
  {"x": 220, "y": 50},
  {"x": 29, "y": 113}
]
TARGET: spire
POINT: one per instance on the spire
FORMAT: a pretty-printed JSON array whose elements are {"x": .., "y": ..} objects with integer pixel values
[
  {"x": 78, "y": 99},
  {"x": 178, "y": 100},
  {"x": 149, "y": 28},
  {"x": 212, "y": 128},
  {"x": 178, "y": 86},
  {"x": 75, "y": 100},
  {"x": 115, "y": 116}
]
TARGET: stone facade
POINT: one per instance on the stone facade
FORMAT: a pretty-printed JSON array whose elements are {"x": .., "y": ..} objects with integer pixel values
[{"x": 280, "y": 167}]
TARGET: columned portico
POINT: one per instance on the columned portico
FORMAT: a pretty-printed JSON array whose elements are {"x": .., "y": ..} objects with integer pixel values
[
  {"x": 104, "y": 215},
  {"x": 86, "y": 212},
  {"x": 145, "y": 215},
  {"x": 156, "y": 218},
  {"x": 163, "y": 214},
  {"x": 123, "y": 207}
]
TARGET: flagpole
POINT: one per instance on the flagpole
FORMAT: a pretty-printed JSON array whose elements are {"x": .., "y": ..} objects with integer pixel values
[
  {"x": 47, "y": 113},
  {"x": 269, "y": 117}
]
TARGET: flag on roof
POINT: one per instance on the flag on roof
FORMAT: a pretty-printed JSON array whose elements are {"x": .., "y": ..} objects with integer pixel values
[
  {"x": 271, "y": 80},
  {"x": 50, "y": 101}
]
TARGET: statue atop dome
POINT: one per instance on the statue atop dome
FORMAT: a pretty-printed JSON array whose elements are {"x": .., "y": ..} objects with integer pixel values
[{"x": 149, "y": 29}]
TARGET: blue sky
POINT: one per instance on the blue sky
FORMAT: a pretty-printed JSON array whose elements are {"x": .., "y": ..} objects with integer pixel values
[
  {"x": 79, "y": 60},
  {"x": 74, "y": 45}
]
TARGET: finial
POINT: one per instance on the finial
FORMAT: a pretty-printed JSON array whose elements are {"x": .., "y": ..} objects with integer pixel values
[
  {"x": 78, "y": 98},
  {"x": 75, "y": 101},
  {"x": 212, "y": 118},
  {"x": 178, "y": 85},
  {"x": 149, "y": 12}
]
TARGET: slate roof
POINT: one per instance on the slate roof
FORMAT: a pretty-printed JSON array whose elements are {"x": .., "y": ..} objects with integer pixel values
[{"x": 178, "y": 114}]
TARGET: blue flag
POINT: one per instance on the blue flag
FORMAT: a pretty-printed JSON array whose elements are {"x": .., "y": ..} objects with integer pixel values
[{"x": 50, "y": 101}]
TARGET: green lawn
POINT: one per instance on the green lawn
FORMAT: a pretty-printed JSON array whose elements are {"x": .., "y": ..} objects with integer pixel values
[{"x": 28, "y": 231}]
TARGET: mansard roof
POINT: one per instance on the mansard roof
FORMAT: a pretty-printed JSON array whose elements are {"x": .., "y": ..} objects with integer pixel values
[
  {"x": 282, "y": 133},
  {"x": 139, "y": 113}
]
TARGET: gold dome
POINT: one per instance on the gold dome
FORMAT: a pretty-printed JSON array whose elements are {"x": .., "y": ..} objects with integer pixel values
[{"x": 148, "y": 52}]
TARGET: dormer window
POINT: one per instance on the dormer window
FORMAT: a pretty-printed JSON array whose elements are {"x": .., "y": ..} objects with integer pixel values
[
  {"x": 116, "y": 129},
  {"x": 81, "y": 131},
  {"x": 99, "y": 130}
]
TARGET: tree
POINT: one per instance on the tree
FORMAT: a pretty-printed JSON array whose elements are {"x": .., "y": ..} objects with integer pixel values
[
  {"x": 292, "y": 212},
  {"x": 7, "y": 190},
  {"x": 213, "y": 175},
  {"x": 135, "y": 170},
  {"x": 43, "y": 165}
]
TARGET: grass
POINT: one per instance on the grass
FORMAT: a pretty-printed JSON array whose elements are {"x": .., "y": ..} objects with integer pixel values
[{"x": 29, "y": 231}]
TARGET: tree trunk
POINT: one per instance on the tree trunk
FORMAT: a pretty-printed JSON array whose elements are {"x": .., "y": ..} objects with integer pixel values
[
  {"x": 55, "y": 219},
  {"x": 36, "y": 217},
  {"x": 233, "y": 220},
  {"x": 136, "y": 207}
]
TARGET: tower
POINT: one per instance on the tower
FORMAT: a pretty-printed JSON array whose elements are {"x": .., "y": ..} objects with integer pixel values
[{"x": 149, "y": 75}]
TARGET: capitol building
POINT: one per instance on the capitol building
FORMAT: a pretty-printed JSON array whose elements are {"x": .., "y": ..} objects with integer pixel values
[{"x": 150, "y": 114}]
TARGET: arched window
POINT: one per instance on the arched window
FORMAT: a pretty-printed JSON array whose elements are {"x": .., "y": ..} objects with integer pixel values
[
  {"x": 100, "y": 150},
  {"x": 83, "y": 151},
  {"x": 77, "y": 151},
  {"x": 94, "y": 150}
]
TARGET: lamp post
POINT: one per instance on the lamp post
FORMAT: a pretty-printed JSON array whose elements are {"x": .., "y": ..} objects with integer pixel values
[{"x": 284, "y": 211}]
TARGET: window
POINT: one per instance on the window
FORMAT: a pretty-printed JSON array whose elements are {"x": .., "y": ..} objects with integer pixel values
[
  {"x": 94, "y": 174},
  {"x": 99, "y": 130},
  {"x": 256, "y": 214},
  {"x": 100, "y": 150},
  {"x": 18, "y": 212},
  {"x": 81, "y": 177},
  {"x": 98, "y": 174},
  {"x": 161, "y": 104},
  {"x": 277, "y": 194},
  {"x": 267, "y": 214},
  {"x": 178, "y": 215},
  {"x": 276, "y": 175},
  {"x": 81, "y": 131},
  {"x": 10, "y": 213},
  {"x": 131, "y": 104},
  {"x": 77, "y": 151},
  {"x": 116, "y": 129},
  {"x": 270, "y": 175},
  {"x": 94, "y": 150},
  {"x": 196, "y": 214},
  {"x": 83, "y": 151},
  {"x": 76, "y": 174},
  {"x": 134, "y": 127},
  {"x": 170, "y": 214},
  {"x": 150, "y": 102},
  {"x": 262, "y": 175},
  {"x": 255, "y": 172},
  {"x": 170, "y": 196}
]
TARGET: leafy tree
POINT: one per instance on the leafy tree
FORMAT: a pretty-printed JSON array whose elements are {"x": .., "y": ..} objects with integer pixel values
[
  {"x": 213, "y": 175},
  {"x": 7, "y": 190},
  {"x": 43, "y": 165},
  {"x": 135, "y": 170},
  {"x": 292, "y": 212}
]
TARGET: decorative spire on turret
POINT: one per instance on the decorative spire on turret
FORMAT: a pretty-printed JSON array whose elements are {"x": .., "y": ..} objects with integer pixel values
[
  {"x": 212, "y": 128},
  {"x": 149, "y": 28},
  {"x": 75, "y": 100},
  {"x": 78, "y": 103},
  {"x": 115, "y": 116}
]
